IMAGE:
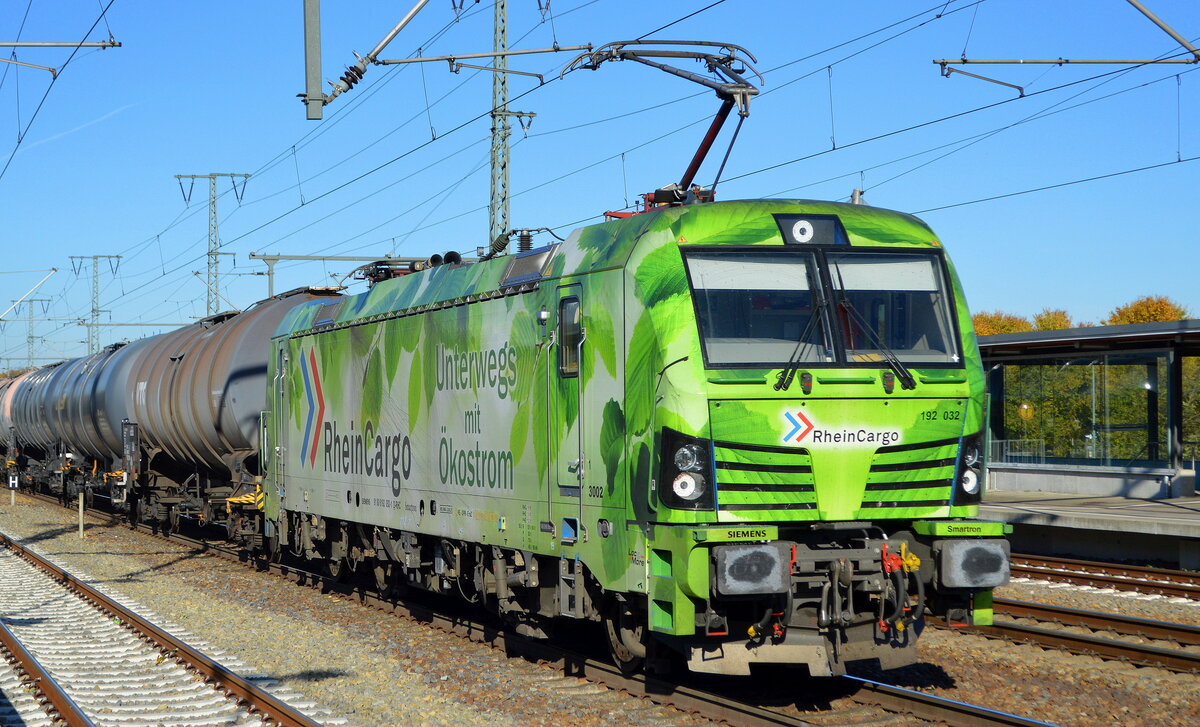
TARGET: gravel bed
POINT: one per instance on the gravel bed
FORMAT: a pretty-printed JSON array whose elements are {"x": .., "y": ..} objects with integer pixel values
[
  {"x": 1053, "y": 686},
  {"x": 375, "y": 668},
  {"x": 364, "y": 665}
]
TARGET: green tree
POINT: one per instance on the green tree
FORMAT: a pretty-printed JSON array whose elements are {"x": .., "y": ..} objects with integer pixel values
[
  {"x": 1052, "y": 319},
  {"x": 1147, "y": 309},
  {"x": 1191, "y": 409},
  {"x": 989, "y": 323}
]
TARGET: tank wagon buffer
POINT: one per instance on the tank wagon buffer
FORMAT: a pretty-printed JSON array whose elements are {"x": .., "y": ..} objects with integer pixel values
[
  {"x": 163, "y": 427},
  {"x": 736, "y": 433}
]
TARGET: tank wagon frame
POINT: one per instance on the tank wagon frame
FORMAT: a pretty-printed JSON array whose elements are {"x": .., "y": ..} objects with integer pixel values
[{"x": 165, "y": 427}]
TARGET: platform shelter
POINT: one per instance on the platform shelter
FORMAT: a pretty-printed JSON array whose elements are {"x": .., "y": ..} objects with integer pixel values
[{"x": 1098, "y": 411}]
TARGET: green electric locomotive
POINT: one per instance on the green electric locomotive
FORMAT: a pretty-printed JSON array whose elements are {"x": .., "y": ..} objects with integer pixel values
[{"x": 736, "y": 433}]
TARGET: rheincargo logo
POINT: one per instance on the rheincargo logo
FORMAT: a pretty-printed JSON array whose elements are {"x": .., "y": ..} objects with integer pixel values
[
  {"x": 369, "y": 453},
  {"x": 803, "y": 428},
  {"x": 316, "y": 412}
]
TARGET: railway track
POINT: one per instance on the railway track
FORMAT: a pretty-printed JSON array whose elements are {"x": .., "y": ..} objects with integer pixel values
[
  {"x": 878, "y": 703},
  {"x": 31, "y": 696},
  {"x": 1156, "y": 581},
  {"x": 1109, "y": 636},
  {"x": 115, "y": 666}
]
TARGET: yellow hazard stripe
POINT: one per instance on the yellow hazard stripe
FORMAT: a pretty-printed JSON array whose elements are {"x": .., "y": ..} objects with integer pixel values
[{"x": 256, "y": 498}]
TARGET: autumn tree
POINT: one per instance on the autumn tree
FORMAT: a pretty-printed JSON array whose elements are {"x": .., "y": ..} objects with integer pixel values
[
  {"x": 1148, "y": 309},
  {"x": 990, "y": 323},
  {"x": 1052, "y": 319}
]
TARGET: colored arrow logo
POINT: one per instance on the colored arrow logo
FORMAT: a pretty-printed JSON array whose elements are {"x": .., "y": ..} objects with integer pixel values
[
  {"x": 316, "y": 412},
  {"x": 803, "y": 424}
]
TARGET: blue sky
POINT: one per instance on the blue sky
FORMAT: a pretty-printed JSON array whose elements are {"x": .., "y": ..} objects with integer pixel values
[{"x": 211, "y": 87}]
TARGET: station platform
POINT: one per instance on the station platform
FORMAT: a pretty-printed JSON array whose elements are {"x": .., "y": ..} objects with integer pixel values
[{"x": 1157, "y": 531}]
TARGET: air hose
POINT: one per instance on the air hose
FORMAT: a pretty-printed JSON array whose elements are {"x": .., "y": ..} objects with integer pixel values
[{"x": 760, "y": 629}]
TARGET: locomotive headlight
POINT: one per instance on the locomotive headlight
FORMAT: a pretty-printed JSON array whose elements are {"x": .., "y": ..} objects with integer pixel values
[
  {"x": 970, "y": 454},
  {"x": 687, "y": 458},
  {"x": 689, "y": 486},
  {"x": 970, "y": 471},
  {"x": 686, "y": 478},
  {"x": 969, "y": 482}
]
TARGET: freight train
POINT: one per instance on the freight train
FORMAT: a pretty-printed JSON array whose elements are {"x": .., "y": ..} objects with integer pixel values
[{"x": 735, "y": 433}]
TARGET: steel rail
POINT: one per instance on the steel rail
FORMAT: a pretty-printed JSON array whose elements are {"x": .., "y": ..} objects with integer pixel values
[
  {"x": 1089, "y": 644},
  {"x": 1132, "y": 571},
  {"x": 1180, "y": 584},
  {"x": 1182, "y": 634},
  {"x": 709, "y": 703},
  {"x": 254, "y": 697},
  {"x": 60, "y": 703},
  {"x": 937, "y": 709}
]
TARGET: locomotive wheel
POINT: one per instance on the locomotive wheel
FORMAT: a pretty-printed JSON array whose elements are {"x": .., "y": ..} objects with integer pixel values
[
  {"x": 271, "y": 548},
  {"x": 385, "y": 579},
  {"x": 89, "y": 498},
  {"x": 327, "y": 567},
  {"x": 626, "y": 638}
]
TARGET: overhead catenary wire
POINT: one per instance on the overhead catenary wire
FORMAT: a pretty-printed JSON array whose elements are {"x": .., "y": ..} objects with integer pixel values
[
  {"x": 7, "y": 66},
  {"x": 334, "y": 118},
  {"x": 371, "y": 90},
  {"x": 924, "y": 124},
  {"x": 339, "y": 115},
  {"x": 585, "y": 167},
  {"x": 893, "y": 25},
  {"x": 1034, "y": 117},
  {"x": 1060, "y": 185},
  {"x": 21, "y": 136},
  {"x": 702, "y": 119},
  {"x": 312, "y": 134},
  {"x": 1038, "y": 114},
  {"x": 153, "y": 241},
  {"x": 363, "y": 175},
  {"x": 388, "y": 163}
]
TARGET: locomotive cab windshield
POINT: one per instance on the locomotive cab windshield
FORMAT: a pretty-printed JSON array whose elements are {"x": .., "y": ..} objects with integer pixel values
[{"x": 766, "y": 308}]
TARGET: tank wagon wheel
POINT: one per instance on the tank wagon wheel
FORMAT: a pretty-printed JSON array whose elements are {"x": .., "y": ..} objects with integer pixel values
[
  {"x": 89, "y": 498},
  {"x": 626, "y": 636},
  {"x": 233, "y": 524},
  {"x": 172, "y": 523}
]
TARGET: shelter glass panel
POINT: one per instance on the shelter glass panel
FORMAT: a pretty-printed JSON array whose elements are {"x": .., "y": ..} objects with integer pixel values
[
  {"x": 1107, "y": 410},
  {"x": 1191, "y": 411}
]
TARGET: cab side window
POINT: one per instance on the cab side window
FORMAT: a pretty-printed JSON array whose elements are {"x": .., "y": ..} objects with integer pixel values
[{"x": 569, "y": 330}]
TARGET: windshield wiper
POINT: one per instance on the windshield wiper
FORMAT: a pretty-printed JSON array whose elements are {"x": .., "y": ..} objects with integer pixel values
[
  {"x": 907, "y": 381},
  {"x": 788, "y": 372}
]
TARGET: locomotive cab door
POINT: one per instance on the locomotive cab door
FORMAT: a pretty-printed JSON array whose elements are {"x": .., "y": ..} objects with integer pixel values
[{"x": 565, "y": 418}]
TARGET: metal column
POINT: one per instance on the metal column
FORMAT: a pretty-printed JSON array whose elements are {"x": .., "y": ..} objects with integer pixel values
[
  {"x": 498, "y": 206},
  {"x": 214, "y": 242}
]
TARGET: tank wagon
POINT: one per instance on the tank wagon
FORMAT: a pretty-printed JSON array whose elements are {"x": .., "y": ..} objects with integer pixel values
[
  {"x": 736, "y": 433},
  {"x": 166, "y": 426}
]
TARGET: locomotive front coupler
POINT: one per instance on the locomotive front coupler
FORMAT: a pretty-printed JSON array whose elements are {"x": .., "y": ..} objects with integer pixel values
[{"x": 833, "y": 576}]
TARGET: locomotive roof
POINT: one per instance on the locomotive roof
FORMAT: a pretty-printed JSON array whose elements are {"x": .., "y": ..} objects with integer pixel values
[{"x": 605, "y": 246}]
